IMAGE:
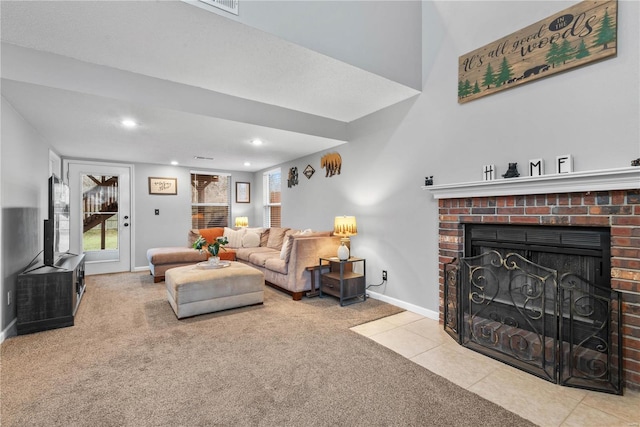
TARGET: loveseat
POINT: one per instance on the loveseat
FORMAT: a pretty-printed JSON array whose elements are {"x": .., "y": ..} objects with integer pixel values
[{"x": 281, "y": 254}]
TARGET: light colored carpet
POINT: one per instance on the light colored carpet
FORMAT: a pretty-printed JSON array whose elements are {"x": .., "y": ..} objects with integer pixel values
[{"x": 129, "y": 362}]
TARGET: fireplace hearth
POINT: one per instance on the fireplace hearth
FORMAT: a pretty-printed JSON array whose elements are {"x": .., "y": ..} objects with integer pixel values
[
  {"x": 608, "y": 200},
  {"x": 538, "y": 298}
]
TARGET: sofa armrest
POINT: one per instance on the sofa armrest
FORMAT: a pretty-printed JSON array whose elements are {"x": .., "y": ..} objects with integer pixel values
[{"x": 306, "y": 252}]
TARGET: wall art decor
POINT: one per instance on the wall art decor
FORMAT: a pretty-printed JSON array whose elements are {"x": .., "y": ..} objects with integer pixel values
[
  {"x": 309, "y": 171},
  {"x": 488, "y": 172},
  {"x": 564, "y": 163},
  {"x": 578, "y": 35},
  {"x": 512, "y": 171},
  {"x": 536, "y": 167},
  {"x": 163, "y": 186},
  {"x": 332, "y": 162},
  {"x": 243, "y": 192},
  {"x": 292, "y": 180}
]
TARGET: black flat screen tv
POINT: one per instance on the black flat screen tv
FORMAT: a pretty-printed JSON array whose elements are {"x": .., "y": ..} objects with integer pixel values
[{"x": 56, "y": 227}]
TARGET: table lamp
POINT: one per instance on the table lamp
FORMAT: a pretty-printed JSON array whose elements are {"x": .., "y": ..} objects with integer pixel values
[
  {"x": 242, "y": 221},
  {"x": 344, "y": 226}
]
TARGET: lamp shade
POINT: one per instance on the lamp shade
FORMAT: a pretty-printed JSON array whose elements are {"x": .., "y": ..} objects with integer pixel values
[
  {"x": 345, "y": 226},
  {"x": 242, "y": 221}
]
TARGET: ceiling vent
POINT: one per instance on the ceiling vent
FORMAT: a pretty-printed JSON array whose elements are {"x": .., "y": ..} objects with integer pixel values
[{"x": 230, "y": 6}]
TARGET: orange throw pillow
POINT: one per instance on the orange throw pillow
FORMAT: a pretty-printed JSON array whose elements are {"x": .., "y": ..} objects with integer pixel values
[{"x": 210, "y": 234}]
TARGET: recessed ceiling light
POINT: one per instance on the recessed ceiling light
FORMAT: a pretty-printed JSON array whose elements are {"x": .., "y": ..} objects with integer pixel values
[
  {"x": 257, "y": 142},
  {"x": 128, "y": 123},
  {"x": 174, "y": 163},
  {"x": 247, "y": 164}
]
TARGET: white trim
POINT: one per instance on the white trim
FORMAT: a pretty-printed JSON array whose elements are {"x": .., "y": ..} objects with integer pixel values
[
  {"x": 407, "y": 306},
  {"x": 6, "y": 332},
  {"x": 66, "y": 162},
  {"x": 599, "y": 180},
  {"x": 140, "y": 269}
]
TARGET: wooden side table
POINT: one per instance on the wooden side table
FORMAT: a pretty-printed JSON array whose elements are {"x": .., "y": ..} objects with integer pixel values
[
  {"x": 315, "y": 270},
  {"x": 342, "y": 282}
]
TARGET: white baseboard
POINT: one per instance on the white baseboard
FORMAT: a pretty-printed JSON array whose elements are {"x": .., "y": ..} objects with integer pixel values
[
  {"x": 138, "y": 269},
  {"x": 8, "y": 332},
  {"x": 403, "y": 304}
]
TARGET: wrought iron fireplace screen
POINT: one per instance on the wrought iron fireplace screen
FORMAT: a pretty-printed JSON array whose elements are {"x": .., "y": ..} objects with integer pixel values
[{"x": 550, "y": 322}]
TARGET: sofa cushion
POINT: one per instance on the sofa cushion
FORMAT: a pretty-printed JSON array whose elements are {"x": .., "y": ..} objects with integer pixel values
[
  {"x": 234, "y": 236},
  {"x": 171, "y": 255},
  {"x": 276, "y": 264},
  {"x": 250, "y": 240},
  {"x": 276, "y": 237},
  {"x": 260, "y": 258},
  {"x": 264, "y": 237},
  {"x": 193, "y": 235},
  {"x": 244, "y": 253}
]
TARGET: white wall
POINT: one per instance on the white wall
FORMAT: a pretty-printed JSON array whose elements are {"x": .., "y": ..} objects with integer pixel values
[
  {"x": 171, "y": 227},
  {"x": 382, "y": 37},
  {"x": 590, "y": 112},
  {"x": 25, "y": 170}
]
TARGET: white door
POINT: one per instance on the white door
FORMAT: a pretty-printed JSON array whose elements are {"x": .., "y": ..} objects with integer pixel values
[{"x": 100, "y": 215}]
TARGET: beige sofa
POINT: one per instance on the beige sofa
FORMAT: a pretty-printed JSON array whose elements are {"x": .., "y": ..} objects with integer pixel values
[{"x": 281, "y": 254}]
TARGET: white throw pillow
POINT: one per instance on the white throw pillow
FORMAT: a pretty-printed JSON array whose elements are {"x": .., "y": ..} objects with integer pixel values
[
  {"x": 286, "y": 243},
  {"x": 250, "y": 240},
  {"x": 234, "y": 237}
]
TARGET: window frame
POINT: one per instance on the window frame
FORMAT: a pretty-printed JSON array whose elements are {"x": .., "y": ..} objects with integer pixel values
[
  {"x": 267, "y": 204},
  {"x": 216, "y": 204}
]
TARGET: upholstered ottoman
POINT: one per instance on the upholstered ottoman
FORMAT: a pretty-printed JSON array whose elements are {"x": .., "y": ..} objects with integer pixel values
[
  {"x": 162, "y": 259},
  {"x": 192, "y": 290}
]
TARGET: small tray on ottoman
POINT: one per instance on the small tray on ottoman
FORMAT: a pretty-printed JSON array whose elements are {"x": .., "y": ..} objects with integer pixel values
[{"x": 206, "y": 265}]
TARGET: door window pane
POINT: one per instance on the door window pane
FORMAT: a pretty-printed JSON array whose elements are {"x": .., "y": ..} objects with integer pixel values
[{"x": 99, "y": 212}]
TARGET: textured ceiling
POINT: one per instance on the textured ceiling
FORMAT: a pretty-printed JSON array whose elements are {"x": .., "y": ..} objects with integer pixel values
[{"x": 198, "y": 83}]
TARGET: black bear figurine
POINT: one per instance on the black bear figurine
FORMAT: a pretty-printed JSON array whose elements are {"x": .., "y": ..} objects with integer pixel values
[{"x": 512, "y": 172}]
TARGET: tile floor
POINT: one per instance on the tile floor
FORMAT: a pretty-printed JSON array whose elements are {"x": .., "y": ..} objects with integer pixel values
[{"x": 424, "y": 341}]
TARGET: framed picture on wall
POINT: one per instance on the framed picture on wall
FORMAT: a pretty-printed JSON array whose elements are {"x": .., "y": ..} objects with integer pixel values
[
  {"x": 243, "y": 192},
  {"x": 166, "y": 186}
]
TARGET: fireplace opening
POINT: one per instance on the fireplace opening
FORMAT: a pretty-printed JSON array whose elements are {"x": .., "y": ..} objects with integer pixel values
[{"x": 538, "y": 298}]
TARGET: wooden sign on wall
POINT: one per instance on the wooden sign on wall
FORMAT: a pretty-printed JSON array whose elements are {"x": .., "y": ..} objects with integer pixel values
[{"x": 578, "y": 35}]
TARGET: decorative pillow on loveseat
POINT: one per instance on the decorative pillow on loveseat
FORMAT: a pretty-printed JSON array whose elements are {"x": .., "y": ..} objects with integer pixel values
[
  {"x": 276, "y": 237},
  {"x": 250, "y": 240},
  {"x": 209, "y": 234},
  {"x": 234, "y": 236}
]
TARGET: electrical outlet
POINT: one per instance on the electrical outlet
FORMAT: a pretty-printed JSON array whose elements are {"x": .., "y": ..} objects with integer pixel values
[
  {"x": 8, "y": 297},
  {"x": 384, "y": 274}
]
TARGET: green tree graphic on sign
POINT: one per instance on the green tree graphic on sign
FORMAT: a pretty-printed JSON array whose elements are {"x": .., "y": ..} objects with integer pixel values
[
  {"x": 553, "y": 56},
  {"x": 582, "y": 52},
  {"x": 489, "y": 77},
  {"x": 464, "y": 89},
  {"x": 476, "y": 88},
  {"x": 504, "y": 73},
  {"x": 606, "y": 33},
  {"x": 565, "y": 51}
]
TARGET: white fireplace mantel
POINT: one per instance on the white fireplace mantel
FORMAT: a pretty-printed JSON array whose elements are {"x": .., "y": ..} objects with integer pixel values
[{"x": 599, "y": 180}]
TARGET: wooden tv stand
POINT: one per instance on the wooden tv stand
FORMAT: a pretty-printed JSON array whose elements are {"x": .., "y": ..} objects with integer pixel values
[{"x": 47, "y": 297}]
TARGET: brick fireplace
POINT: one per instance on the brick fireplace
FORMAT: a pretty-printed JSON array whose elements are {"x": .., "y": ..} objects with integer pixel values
[{"x": 602, "y": 199}]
